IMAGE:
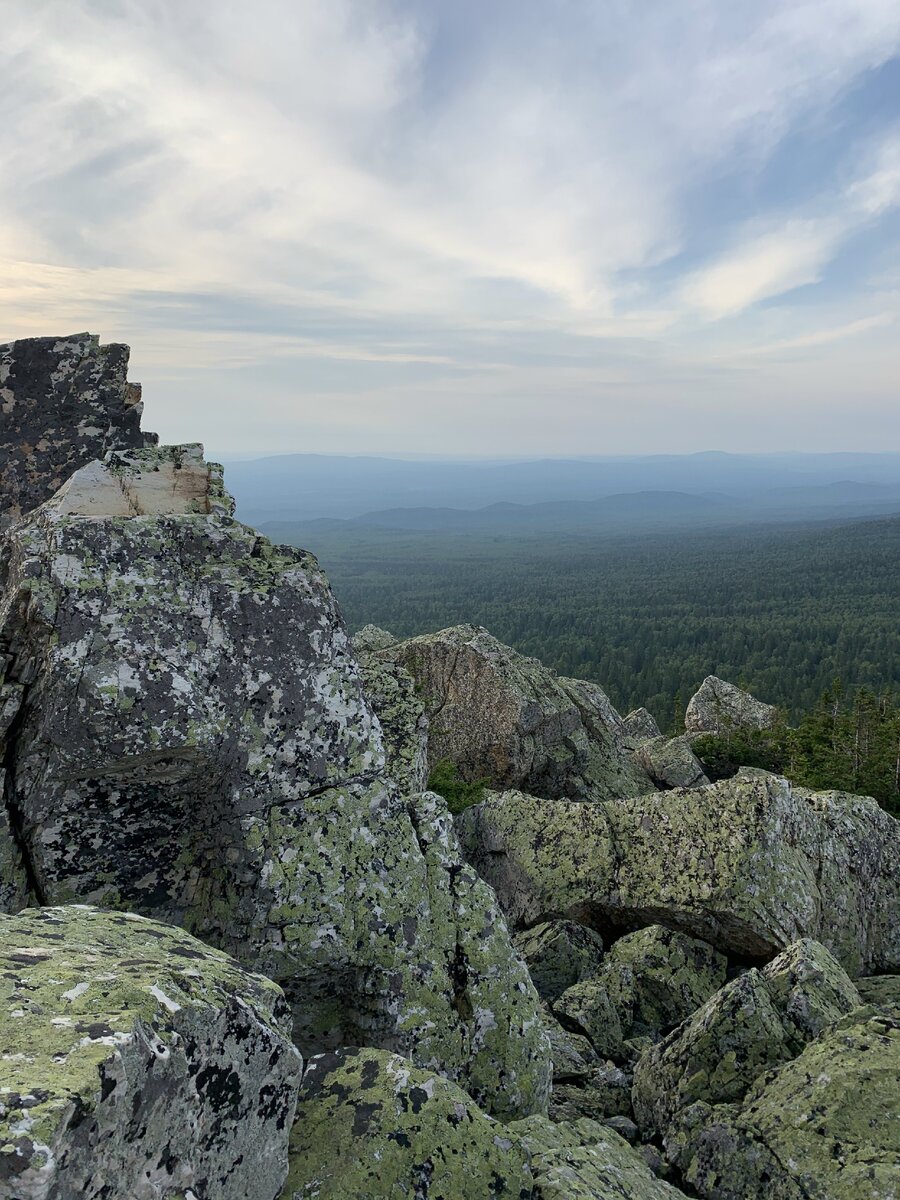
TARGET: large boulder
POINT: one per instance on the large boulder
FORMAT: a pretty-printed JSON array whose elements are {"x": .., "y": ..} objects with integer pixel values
[
  {"x": 749, "y": 865},
  {"x": 824, "y": 1124},
  {"x": 370, "y": 1124},
  {"x": 587, "y": 1009},
  {"x": 639, "y": 726},
  {"x": 656, "y": 977},
  {"x": 191, "y": 740},
  {"x": 401, "y": 714},
  {"x": 558, "y": 954},
  {"x": 64, "y": 402},
  {"x": 758, "y": 1020},
  {"x": 137, "y": 1062},
  {"x": 506, "y": 718},
  {"x": 718, "y": 706}
]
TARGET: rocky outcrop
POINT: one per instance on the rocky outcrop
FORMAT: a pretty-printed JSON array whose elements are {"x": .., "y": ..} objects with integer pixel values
[
  {"x": 748, "y": 865},
  {"x": 639, "y": 726},
  {"x": 823, "y": 1125},
  {"x": 558, "y": 954},
  {"x": 718, "y": 706},
  {"x": 137, "y": 1062},
  {"x": 757, "y": 1021},
  {"x": 64, "y": 402},
  {"x": 670, "y": 762},
  {"x": 401, "y": 712},
  {"x": 188, "y": 737},
  {"x": 507, "y": 719},
  {"x": 370, "y": 1124},
  {"x": 587, "y": 1009}
]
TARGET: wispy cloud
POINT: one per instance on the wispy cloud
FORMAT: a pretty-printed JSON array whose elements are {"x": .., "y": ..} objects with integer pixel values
[{"x": 520, "y": 173}]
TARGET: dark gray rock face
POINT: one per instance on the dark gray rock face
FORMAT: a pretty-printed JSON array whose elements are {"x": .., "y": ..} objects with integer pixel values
[
  {"x": 506, "y": 718},
  {"x": 718, "y": 705},
  {"x": 137, "y": 1062},
  {"x": 558, "y": 954},
  {"x": 63, "y": 402}
]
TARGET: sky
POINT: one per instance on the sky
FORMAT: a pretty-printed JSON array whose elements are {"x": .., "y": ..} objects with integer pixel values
[{"x": 504, "y": 228}]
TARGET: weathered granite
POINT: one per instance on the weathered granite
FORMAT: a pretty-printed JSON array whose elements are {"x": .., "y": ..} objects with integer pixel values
[
  {"x": 748, "y": 864},
  {"x": 371, "y": 638},
  {"x": 370, "y": 1124},
  {"x": 657, "y": 977},
  {"x": 63, "y": 402},
  {"x": 670, "y": 762},
  {"x": 506, "y": 718},
  {"x": 587, "y": 1008},
  {"x": 401, "y": 714},
  {"x": 882, "y": 991},
  {"x": 558, "y": 954},
  {"x": 757, "y": 1021},
  {"x": 191, "y": 741},
  {"x": 135, "y": 1061},
  {"x": 823, "y": 1125},
  {"x": 603, "y": 1093},
  {"x": 639, "y": 726},
  {"x": 717, "y": 706}
]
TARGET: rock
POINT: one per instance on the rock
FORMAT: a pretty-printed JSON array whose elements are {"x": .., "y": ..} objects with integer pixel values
[
  {"x": 585, "y": 1160},
  {"x": 656, "y": 977},
  {"x": 823, "y": 1125},
  {"x": 401, "y": 714},
  {"x": 558, "y": 954},
  {"x": 605, "y": 1092},
  {"x": 717, "y": 706},
  {"x": 670, "y": 763},
  {"x": 503, "y": 717},
  {"x": 371, "y": 1124},
  {"x": 370, "y": 638},
  {"x": 64, "y": 401},
  {"x": 755, "y": 1022},
  {"x": 137, "y": 1062},
  {"x": 572, "y": 1054},
  {"x": 192, "y": 742},
  {"x": 639, "y": 726},
  {"x": 586, "y": 1008},
  {"x": 749, "y": 865},
  {"x": 624, "y": 1127},
  {"x": 883, "y": 991}
]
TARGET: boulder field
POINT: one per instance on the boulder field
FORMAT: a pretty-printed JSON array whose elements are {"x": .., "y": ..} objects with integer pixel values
[{"x": 246, "y": 953}]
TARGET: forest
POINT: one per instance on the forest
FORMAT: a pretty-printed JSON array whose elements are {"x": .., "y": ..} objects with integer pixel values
[{"x": 782, "y": 611}]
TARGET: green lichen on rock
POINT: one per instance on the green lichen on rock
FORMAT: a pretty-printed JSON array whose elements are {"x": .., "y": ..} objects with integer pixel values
[
  {"x": 656, "y": 977},
  {"x": 883, "y": 991},
  {"x": 749, "y": 865},
  {"x": 584, "y": 1160},
  {"x": 558, "y": 954},
  {"x": 400, "y": 711},
  {"x": 755, "y": 1022},
  {"x": 136, "y": 1061},
  {"x": 506, "y": 718},
  {"x": 823, "y": 1125},
  {"x": 371, "y": 1124},
  {"x": 670, "y": 762},
  {"x": 588, "y": 1009}
]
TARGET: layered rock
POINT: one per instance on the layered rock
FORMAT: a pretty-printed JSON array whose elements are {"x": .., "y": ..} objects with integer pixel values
[
  {"x": 64, "y": 402},
  {"x": 718, "y": 706},
  {"x": 824, "y": 1124},
  {"x": 189, "y": 738},
  {"x": 137, "y": 1062},
  {"x": 757, "y": 1021},
  {"x": 748, "y": 865},
  {"x": 506, "y": 718}
]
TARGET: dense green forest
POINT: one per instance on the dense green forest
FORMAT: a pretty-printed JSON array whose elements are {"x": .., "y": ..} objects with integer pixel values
[{"x": 780, "y": 610}]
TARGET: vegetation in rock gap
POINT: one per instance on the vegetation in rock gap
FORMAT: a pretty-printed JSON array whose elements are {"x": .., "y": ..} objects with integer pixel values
[{"x": 446, "y": 780}]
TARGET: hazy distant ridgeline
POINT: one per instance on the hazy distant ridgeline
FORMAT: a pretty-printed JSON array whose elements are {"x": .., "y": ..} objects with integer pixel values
[
  {"x": 783, "y": 609},
  {"x": 301, "y": 487}
]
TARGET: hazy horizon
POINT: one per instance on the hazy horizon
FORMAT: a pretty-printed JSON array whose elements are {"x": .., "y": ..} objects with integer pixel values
[{"x": 531, "y": 228}]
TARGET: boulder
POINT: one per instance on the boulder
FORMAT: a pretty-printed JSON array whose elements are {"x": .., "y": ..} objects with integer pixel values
[
  {"x": 192, "y": 741},
  {"x": 371, "y": 638},
  {"x": 135, "y": 1061},
  {"x": 882, "y": 991},
  {"x": 558, "y": 954},
  {"x": 506, "y": 718},
  {"x": 584, "y": 1160},
  {"x": 371, "y": 1124},
  {"x": 755, "y": 1022},
  {"x": 824, "y": 1125},
  {"x": 586, "y": 1008},
  {"x": 656, "y": 977},
  {"x": 572, "y": 1054},
  {"x": 670, "y": 762},
  {"x": 604, "y": 1093},
  {"x": 749, "y": 865},
  {"x": 65, "y": 402},
  {"x": 639, "y": 726},
  {"x": 718, "y": 706}
]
